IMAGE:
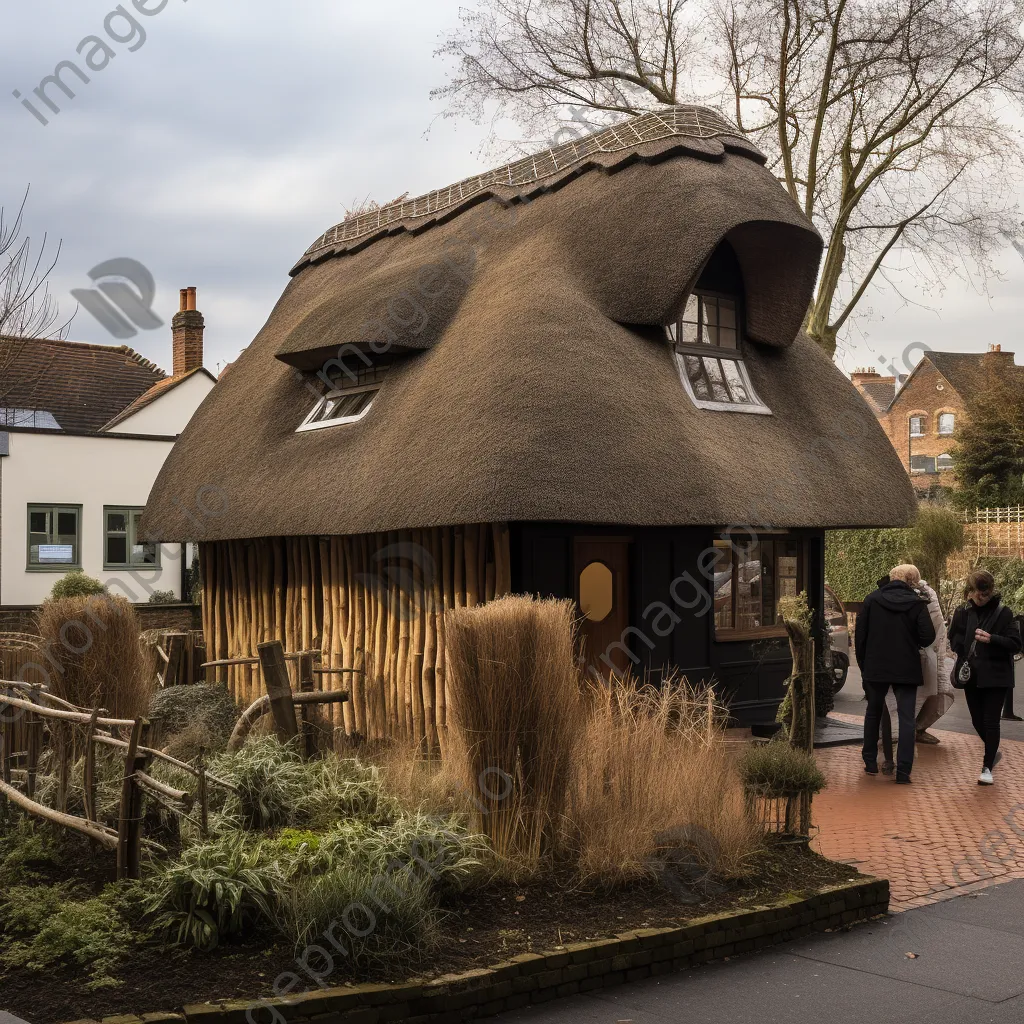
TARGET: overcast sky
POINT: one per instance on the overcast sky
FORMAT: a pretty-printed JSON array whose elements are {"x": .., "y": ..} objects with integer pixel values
[{"x": 241, "y": 129}]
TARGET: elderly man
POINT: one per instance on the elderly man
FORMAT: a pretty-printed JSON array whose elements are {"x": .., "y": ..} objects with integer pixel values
[{"x": 892, "y": 627}]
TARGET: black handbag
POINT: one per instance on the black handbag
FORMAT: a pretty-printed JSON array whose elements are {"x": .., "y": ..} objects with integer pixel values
[{"x": 961, "y": 677}]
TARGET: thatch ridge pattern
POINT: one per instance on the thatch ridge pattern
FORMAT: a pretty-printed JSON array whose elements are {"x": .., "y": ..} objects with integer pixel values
[{"x": 683, "y": 121}]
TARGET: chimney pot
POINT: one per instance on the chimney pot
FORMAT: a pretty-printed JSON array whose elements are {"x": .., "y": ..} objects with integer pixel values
[{"x": 187, "y": 327}]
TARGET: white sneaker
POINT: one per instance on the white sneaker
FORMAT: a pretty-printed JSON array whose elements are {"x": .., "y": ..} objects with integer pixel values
[{"x": 985, "y": 778}]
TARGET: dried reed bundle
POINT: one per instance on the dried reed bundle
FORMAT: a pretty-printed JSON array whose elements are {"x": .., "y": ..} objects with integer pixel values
[
  {"x": 93, "y": 654},
  {"x": 651, "y": 770},
  {"x": 514, "y": 713}
]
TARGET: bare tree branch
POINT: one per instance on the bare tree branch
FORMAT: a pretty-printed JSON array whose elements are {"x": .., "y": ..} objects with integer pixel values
[{"x": 891, "y": 124}]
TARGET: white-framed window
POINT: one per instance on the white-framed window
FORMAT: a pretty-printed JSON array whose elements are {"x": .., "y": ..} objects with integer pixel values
[
  {"x": 917, "y": 426},
  {"x": 944, "y": 462},
  {"x": 54, "y": 536},
  {"x": 947, "y": 421},
  {"x": 122, "y": 548},
  {"x": 347, "y": 403},
  {"x": 707, "y": 340}
]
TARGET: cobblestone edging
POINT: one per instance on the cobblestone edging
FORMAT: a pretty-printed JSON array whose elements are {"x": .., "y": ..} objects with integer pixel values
[{"x": 537, "y": 977}]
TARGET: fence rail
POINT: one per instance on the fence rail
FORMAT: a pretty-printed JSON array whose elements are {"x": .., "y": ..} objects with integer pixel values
[{"x": 1010, "y": 514}]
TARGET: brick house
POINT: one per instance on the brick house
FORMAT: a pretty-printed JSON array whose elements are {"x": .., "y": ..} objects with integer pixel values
[{"x": 922, "y": 412}]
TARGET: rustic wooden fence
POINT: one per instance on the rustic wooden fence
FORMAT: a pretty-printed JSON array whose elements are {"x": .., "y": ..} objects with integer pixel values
[{"x": 33, "y": 720}]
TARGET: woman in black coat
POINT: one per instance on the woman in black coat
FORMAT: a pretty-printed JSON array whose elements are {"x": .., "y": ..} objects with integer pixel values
[{"x": 985, "y": 636}]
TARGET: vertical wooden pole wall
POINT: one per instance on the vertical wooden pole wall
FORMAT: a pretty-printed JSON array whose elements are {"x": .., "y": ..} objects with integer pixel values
[{"x": 373, "y": 602}]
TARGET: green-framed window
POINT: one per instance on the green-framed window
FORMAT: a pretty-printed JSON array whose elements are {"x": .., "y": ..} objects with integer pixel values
[
  {"x": 122, "y": 548},
  {"x": 54, "y": 537}
]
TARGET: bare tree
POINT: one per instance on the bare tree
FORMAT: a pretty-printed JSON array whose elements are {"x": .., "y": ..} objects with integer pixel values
[
  {"x": 890, "y": 124},
  {"x": 28, "y": 311}
]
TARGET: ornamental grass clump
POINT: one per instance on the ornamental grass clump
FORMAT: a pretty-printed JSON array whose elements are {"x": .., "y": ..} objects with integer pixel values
[
  {"x": 94, "y": 655},
  {"x": 606, "y": 779},
  {"x": 777, "y": 770},
  {"x": 651, "y": 774},
  {"x": 277, "y": 788}
]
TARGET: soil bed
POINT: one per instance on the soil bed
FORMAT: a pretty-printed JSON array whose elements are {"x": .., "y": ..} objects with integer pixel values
[{"x": 485, "y": 926}]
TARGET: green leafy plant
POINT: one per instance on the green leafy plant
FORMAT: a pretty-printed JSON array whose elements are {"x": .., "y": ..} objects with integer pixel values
[
  {"x": 53, "y": 925},
  {"x": 276, "y": 788},
  {"x": 76, "y": 584},
  {"x": 163, "y": 597},
  {"x": 23, "y": 849},
  {"x": 214, "y": 890},
  {"x": 776, "y": 769}
]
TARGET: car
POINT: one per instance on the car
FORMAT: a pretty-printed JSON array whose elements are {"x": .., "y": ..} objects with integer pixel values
[{"x": 839, "y": 639}]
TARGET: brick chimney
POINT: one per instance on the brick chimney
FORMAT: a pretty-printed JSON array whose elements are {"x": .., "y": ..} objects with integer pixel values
[{"x": 187, "y": 328}]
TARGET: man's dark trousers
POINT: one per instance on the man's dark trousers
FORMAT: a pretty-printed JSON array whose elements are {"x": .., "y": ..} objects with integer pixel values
[{"x": 906, "y": 697}]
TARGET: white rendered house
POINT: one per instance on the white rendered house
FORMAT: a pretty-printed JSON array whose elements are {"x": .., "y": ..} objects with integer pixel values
[{"x": 84, "y": 430}]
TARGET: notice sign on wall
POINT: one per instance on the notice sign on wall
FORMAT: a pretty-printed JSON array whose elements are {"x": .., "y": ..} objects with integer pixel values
[{"x": 57, "y": 553}]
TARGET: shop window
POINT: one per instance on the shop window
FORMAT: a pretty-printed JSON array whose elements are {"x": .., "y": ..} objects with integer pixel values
[{"x": 750, "y": 577}]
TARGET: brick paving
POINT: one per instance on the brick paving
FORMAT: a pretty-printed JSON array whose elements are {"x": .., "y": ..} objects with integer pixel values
[{"x": 939, "y": 837}]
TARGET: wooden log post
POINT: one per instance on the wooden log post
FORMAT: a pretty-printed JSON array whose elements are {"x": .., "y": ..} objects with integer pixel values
[
  {"x": 175, "y": 655},
  {"x": 797, "y": 618},
  {"x": 89, "y": 771},
  {"x": 33, "y": 745},
  {"x": 305, "y": 674},
  {"x": 129, "y": 830},
  {"x": 202, "y": 795},
  {"x": 279, "y": 690}
]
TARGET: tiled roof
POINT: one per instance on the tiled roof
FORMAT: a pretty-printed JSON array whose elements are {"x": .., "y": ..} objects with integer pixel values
[
  {"x": 968, "y": 372},
  {"x": 158, "y": 389},
  {"x": 82, "y": 385},
  {"x": 879, "y": 393}
]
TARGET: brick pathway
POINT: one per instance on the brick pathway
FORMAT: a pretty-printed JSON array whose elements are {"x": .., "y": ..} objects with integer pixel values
[{"x": 937, "y": 838}]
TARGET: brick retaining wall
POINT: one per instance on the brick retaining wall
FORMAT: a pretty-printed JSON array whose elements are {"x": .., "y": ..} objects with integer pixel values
[
  {"x": 538, "y": 977},
  {"x": 177, "y": 617}
]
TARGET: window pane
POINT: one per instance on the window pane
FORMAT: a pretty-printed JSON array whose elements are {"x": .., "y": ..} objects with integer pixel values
[
  {"x": 144, "y": 554},
  {"x": 689, "y": 333},
  {"x": 695, "y": 373},
  {"x": 690, "y": 313},
  {"x": 723, "y": 585},
  {"x": 734, "y": 378},
  {"x": 67, "y": 523},
  {"x": 708, "y": 334},
  {"x": 39, "y": 522},
  {"x": 117, "y": 522},
  {"x": 768, "y": 553},
  {"x": 117, "y": 550},
  {"x": 726, "y": 337},
  {"x": 711, "y": 312},
  {"x": 713, "y": 369},
  {"x": 786, "y": 571},
  {"x": 726, "y": 313},
  {"x": 748, "y": 587}
]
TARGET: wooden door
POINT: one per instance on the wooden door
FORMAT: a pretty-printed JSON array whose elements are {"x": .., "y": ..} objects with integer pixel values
[{"x": 601, "y": 567}]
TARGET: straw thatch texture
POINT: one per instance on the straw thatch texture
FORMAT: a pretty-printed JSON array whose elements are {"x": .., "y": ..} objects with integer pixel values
[
  {"x": 533, "y": 379},
  {"x": 372, "y": 603}
]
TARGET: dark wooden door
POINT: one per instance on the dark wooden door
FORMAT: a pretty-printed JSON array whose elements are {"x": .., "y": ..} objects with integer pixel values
[{"x": 602, "y": 593}]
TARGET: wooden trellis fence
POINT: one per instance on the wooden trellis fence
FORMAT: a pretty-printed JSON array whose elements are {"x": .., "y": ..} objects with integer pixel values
[{"x": 29, "y": 715}]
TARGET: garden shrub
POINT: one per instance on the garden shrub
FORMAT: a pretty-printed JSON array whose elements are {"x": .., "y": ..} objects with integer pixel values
[
  {"x": 214, "y": 890},
  {"x": 95, "y": 642},
  {"x": 200, "y": 715},
  {"x": 276, "y": 787},
  {"x": 23, "y": 848},
  {"x": 76, "y": 584},
  {"x": 856, "y": 559},
  {"x": 777, "y": 769},
  {"x": 49, "y": 926},
  {"x": 163, "y": 597}
]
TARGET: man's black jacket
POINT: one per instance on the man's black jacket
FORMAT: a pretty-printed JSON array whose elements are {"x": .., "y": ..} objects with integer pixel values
[{"x": 892, "y": 627}]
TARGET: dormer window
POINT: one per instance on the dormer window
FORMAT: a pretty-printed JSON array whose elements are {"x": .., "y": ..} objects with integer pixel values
[
  {"x": 708, "y": 350},
  {"x": 349, "y": 401}
]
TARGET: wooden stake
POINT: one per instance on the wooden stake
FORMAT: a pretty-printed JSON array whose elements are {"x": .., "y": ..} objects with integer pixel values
[
  {"x": 129, "y": 831},
  {"x": 275, "y": 678}
]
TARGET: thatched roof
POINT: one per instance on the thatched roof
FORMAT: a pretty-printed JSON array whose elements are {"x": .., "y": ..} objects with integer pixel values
[{"x": 531, "y": 377}]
